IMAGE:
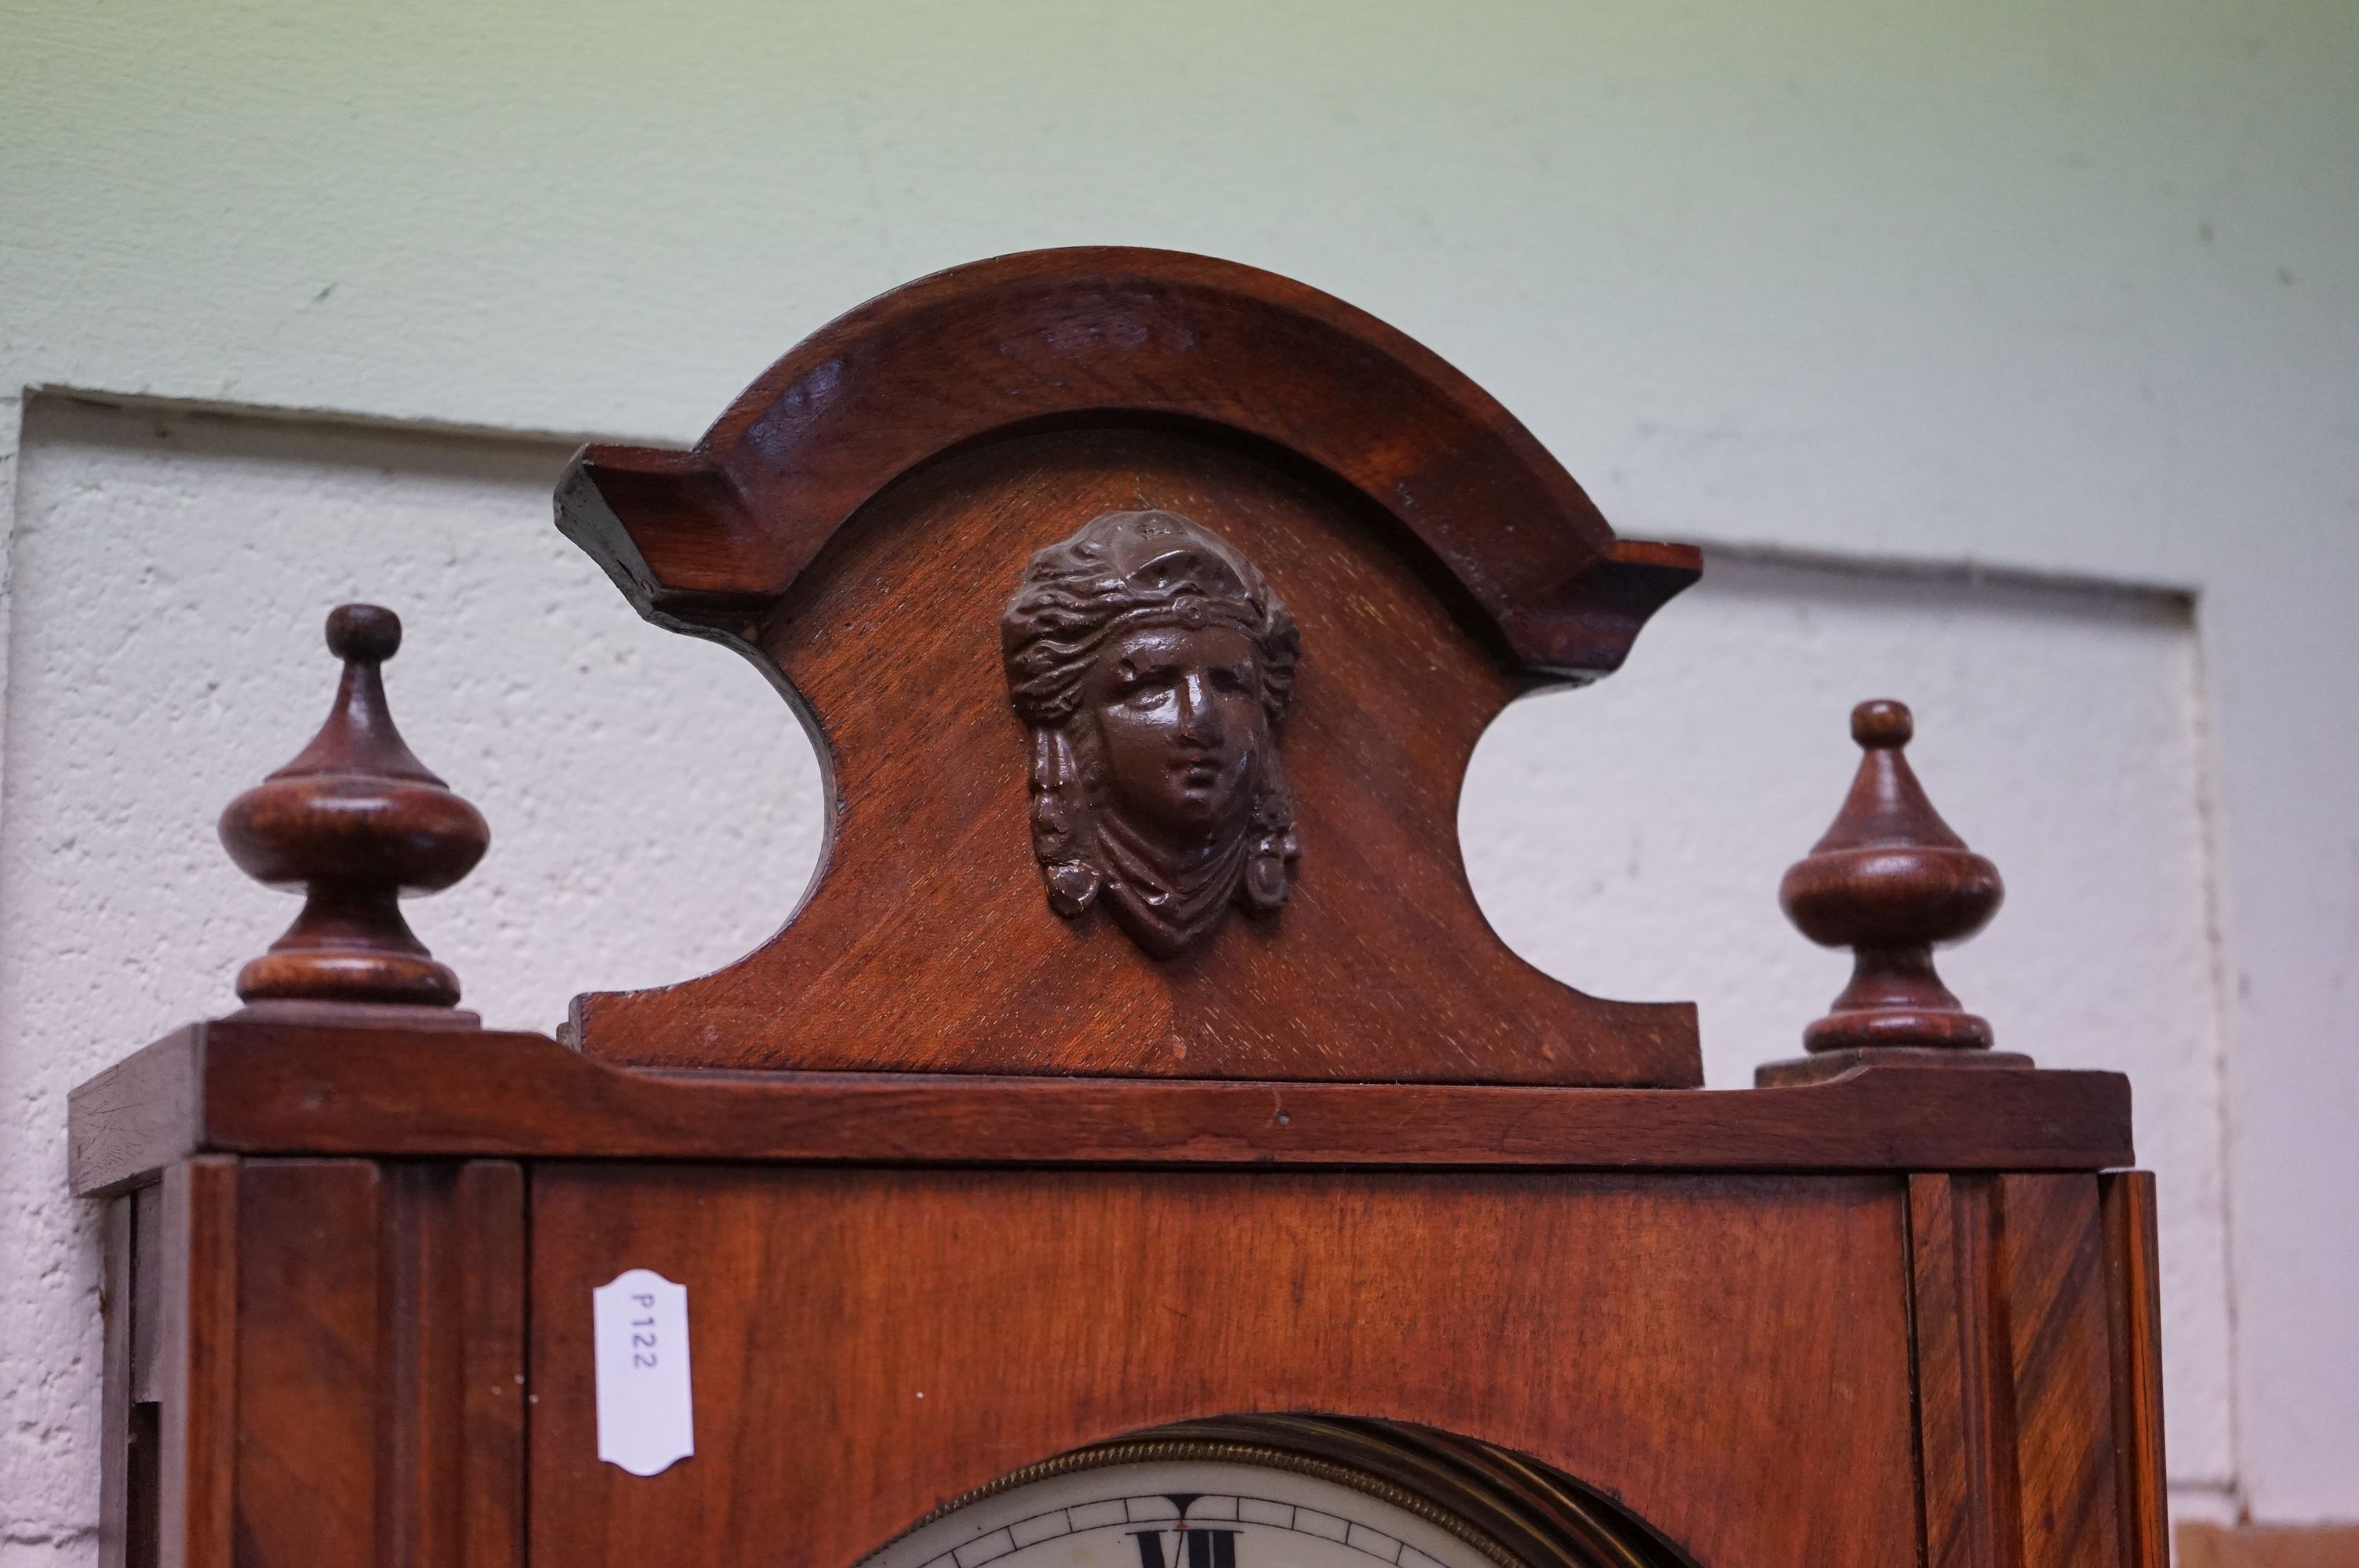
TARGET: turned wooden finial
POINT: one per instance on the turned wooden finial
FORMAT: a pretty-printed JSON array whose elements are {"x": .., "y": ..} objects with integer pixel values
[
  {"x": 1890, "y": 881},
  {"x": 355, "y": 820}
]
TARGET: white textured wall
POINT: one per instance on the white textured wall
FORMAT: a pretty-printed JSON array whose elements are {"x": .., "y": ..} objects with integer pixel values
[{"x": 2057, "y": 288}]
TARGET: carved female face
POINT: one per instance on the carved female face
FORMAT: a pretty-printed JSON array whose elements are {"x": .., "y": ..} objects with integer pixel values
[
  {"x": 1152, "y": 663},
  {"x": 1181, "y": 727}
]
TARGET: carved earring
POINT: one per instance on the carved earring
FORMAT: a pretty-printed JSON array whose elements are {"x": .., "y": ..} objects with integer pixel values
[
  {"x": 1270, "y": 864},
  {"x": 1074, "y": 883},
  {"x": 1265, "y": 882}
]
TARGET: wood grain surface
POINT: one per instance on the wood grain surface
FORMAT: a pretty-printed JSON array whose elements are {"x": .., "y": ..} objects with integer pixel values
[
  {"x": 452, "y": 1445},
  {"x": 927, "y": 943},
  {"x": 197, "y": 1365},
  {"x": 866, "y": 1343},
  {"x": 379, "y": 1364},
  {"x": 2014, "y": 1372},
  {"x": 2134, "y": 1300},
  {"x": 309, "y": 1377},
  {"x": 2051, "y": 1258},
  {"x": 259, "y": 1088}
]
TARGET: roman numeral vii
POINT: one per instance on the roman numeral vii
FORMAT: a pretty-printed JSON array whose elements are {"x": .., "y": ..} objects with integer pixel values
[{"x": 1206, "y": 1547}]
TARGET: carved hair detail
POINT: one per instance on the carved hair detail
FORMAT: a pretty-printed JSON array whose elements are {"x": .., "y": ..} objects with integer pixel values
[{"x": 1124, "y": 572}]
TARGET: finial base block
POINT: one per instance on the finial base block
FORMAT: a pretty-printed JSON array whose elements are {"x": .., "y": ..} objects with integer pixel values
[
  {"x": 302, "y": 1014},
  {"x": 1796, "y": 1071}
]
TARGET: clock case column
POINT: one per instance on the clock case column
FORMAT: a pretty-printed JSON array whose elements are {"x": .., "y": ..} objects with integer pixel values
[{"x": 315, "y": 1361}]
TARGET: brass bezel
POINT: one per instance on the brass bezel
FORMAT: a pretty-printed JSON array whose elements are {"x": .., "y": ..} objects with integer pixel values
[{"x": 1440, "y": 1480}]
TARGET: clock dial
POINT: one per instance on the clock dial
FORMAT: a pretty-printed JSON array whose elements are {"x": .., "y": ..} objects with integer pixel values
[{"x": 1264, "y": 1511}]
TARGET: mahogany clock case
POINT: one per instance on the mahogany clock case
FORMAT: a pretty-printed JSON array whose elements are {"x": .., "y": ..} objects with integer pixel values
[
  {"x": 1138, "y": 1059},
  {"x": 389, "y": 1354}
]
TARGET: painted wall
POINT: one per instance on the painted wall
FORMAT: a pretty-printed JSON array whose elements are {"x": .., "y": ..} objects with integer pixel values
[{"x": 2047, "y": 288}]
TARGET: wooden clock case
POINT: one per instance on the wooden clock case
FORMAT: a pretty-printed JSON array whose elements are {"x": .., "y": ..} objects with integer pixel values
[{"x": 960, "y": 1174}]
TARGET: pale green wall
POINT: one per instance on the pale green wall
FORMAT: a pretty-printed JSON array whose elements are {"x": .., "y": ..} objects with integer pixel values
[{"x": 2002, "y": 277}]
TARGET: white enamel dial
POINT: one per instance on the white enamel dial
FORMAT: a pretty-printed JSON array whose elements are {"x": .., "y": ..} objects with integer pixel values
[{"x": 1185, "y": 1514}]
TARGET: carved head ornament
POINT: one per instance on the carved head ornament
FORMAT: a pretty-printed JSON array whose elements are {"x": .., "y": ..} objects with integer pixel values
[{"x": 1153, "y": 665}]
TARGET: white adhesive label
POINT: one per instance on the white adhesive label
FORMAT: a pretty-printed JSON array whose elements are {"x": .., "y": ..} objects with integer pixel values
[{"x": 647, "y": 1418}]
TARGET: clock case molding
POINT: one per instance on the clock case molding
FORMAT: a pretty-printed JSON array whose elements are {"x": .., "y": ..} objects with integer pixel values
[{"x": 958, "y": 1184}]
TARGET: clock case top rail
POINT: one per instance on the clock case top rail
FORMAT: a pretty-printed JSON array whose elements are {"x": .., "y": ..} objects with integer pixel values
[{"x": 271, "y": 1089}]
